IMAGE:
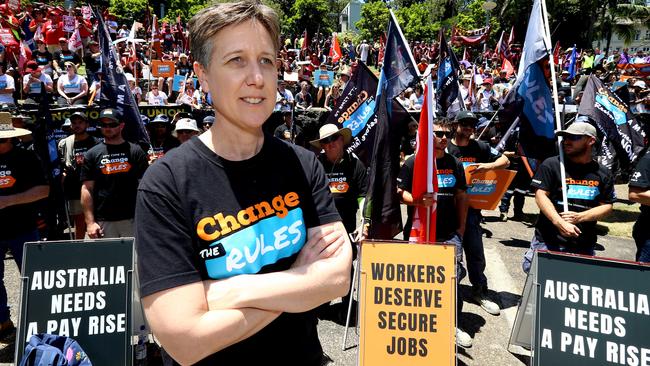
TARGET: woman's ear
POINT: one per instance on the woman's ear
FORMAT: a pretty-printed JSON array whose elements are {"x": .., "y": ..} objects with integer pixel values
[{"x": 202, "y": 75}]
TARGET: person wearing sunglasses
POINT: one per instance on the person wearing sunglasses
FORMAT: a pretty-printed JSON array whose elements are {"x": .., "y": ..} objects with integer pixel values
[
  {"x": 238, "y": 212},
  {"x": 590, "y": 196},
  {"x": 474, "y": 152},
  {"x": 110, "y": 175},
  {"x": 451, "y": 204},
  {"x": 22, "y": 182},
  {"x": 72, "y": 88}
]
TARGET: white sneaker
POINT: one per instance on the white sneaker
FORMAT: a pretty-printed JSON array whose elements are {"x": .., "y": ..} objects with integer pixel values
[
  {"x": 463, "y": 339},
  {"x": 488, "y": 305}
]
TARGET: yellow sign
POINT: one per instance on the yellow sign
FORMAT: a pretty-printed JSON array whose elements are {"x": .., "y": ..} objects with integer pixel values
[{"x": 408, "y": 305}]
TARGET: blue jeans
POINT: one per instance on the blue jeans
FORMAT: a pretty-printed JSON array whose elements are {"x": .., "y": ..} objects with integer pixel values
[
  {"x": 538, "y": 243},
  {"x": 474, "y": 254},
  {"x": 16, "y": 247},
  {"x": 642, "y": 239}
]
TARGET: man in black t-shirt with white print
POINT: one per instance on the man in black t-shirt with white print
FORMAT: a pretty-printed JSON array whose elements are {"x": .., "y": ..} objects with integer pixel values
[
  {"x": 110, "y": 177},
  {"x": 640, "y": 193},
  {"x": 590, "y": 195}
]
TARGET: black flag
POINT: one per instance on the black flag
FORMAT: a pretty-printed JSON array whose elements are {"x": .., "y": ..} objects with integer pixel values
[
  {"x": 447, "y": 77},
  {"x": 623, "y": 137},
  {"x": 116, "y": 89}
]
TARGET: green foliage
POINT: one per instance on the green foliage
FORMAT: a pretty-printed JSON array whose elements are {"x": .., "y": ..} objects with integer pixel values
[
  {"x": 127, "y": 10},
  {"x": 374, "y": 20},
  {"x": 312, "y": 15},
  {"x": 416, "y": 22}
]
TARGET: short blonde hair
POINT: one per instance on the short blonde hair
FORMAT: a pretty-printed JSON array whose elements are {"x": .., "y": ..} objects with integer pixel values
[{"x": 208, "y": 22}]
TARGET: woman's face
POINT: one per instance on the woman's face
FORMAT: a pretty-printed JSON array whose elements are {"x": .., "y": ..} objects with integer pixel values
[{"x": 241, "y": 77}]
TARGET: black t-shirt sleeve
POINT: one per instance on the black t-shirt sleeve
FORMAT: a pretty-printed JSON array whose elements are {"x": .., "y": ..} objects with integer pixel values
[
  {"x": 544, "y": 178},
  {"x": 405, "y": 177},
  {"x": 89, "y": 168},
  {"x": 166, "y": 255},
  {"x": 139, "y": 159},
  {"x": 459, "y": 173},
  {"x": 641, "y": 176},
  {"x": 361, "y": 177},
  {"x": 488, "y": 153},
  {"x": 323, "y": 202},
  {"x": 607, "y": 192}
]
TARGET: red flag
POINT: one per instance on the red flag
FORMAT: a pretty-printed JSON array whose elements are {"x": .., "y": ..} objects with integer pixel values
[
  {"x": 507, "y": 65},
  {"x": 556, "y": 52},
  {"x": 382, "y": 47},
  {"x": 425, "y": 179},
  {"x": 335, "y": 49}
]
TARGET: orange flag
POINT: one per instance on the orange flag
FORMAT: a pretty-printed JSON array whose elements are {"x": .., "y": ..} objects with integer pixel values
[{"x": 335, "y": 49}]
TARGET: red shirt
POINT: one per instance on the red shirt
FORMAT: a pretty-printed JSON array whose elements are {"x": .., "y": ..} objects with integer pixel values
[
  {"x": 53, "y": 31},
  {"x": 82, "y": 31}
]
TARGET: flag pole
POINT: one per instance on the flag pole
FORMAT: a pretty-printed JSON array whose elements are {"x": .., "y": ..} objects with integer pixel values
[
  {"x": 556, "y": 106},
  {"x": 430, "y": 152}
]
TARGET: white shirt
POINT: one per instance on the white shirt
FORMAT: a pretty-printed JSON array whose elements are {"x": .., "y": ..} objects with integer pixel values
[
  {"x": 6, "y": 82},
  {"x": 364, "y": 48},
  {"x": 71, "y": 86},
  {"x": 286, "y": 94},
  {"x": 160, "y": 99},
  {"x": 35, "y": 88}
]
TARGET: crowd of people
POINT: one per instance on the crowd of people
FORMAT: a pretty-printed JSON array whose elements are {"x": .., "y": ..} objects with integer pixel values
[{"x": 109, "y": 183}]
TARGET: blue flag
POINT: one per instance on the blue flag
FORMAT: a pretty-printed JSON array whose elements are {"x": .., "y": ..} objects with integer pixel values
[
  {"x": 530, "y": 98},
  {"x": 398, "y": 71},
  {"x": 447, "y": 80},
  {"x": 572, "y": 65},
  {"x": 116, "y": 89}
]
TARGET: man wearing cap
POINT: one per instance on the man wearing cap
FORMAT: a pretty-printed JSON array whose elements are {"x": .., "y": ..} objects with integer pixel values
[
  {"x": 590, "y": 195},
  {"x": 185, "y": 129},
  {"x": 639, "y": 192},
  {"x": 161, "y": 138},
  {"x": 64, "y": 55},
  {"x": 470, "y": 151},
  {"x": 207, "y": 122},
  {"x": 289, "y": 131},
  {"x": 7, "y": 87},
  {"x": 71, "y": 153},
  {"x": 110, "y": 176},
  {"x": 34, "y": 81},
  {"x": 487, "y": 98},
  {"x": 22, "y": 182}
]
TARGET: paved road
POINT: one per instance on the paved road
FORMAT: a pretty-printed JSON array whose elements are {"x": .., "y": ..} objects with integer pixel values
[{"x": 505, "y": 244}]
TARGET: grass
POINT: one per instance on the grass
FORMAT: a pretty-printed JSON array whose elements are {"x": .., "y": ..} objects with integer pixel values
[{"x": 621, "y": 220}]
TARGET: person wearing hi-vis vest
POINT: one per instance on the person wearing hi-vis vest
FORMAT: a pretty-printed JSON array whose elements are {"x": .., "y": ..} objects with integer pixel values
[
  {"x": 590, "y": 196},
  {"x": 72, "y": 88},
  {"x": 237, "y": 234}
]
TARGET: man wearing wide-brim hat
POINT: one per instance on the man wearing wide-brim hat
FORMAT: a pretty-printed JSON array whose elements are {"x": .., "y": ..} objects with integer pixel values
[
  {"x": 348, "y": 181},
  {"x": 22, "y": 182}
]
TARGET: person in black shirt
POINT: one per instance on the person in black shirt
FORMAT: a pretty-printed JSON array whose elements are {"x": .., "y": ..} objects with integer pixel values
[
  {"x": 473, "y": 152},
  {"x": 161, "y": 138},
  {"x": 289, "y": 131},
  {"x": 43, "y": 57},
  {"x": 236, "y": 230},
  {"x": 110, "y": 176},
  {"x": 22, "y": 182},
  {"x": 65, "y": 55},
  {"x": 640, "y": 193},
  {"x": 590, "y": 196},
  {"x": 93, "y": 61},
  {"x": 71, "y": 153},
  {"x": 451, "y": 204}
]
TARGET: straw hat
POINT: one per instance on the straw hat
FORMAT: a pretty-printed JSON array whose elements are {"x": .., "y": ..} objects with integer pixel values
[
  {"x": 7, "y": 130},
  {"x": 329, "y": 130}
]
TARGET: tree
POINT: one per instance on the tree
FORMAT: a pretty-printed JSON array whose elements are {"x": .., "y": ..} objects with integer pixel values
[
  {"x": 312, "y": 15},
  {"x": 127, "y": 10},
  {"x": 416, "y": 22},
  {"x": 374, "y": 20}
]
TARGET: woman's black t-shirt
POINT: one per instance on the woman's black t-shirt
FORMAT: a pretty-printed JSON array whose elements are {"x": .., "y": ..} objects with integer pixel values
[{"x": 201, "y": 217}]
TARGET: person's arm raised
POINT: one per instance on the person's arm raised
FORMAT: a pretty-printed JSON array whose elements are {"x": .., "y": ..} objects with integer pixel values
[{"x": 320, "y": 273}]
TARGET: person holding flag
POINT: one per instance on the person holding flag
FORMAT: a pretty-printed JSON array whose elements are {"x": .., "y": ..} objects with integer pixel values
[{"x": 590, "y": 196}]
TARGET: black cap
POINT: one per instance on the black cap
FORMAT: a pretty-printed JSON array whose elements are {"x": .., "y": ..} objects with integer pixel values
[{"x": 466, "y": 116}]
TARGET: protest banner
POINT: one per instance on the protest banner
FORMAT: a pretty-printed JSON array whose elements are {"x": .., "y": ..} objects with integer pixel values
[
  {"x": 164, "y": 69},
  {"x": 485, "y": 189},
  {"x": 583, "y": 317},
  {"x": 60, "y": 114},
  {"x": 323, "y": 78},
  {"x": 68, "y": 23},
  {"x": 86, "y": 12},
  {"x": 179, "y": 80},
  {"x": 82, "y": 290},
  {"x": 290, "y": 76},
  {"x": 14, "y": 5},
  {"x": 408, "y": 304}
]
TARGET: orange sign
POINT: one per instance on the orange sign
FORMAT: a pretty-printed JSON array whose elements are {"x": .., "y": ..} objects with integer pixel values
[
  {"x": 115, "y": 168},
  {"x": 485, "y": 189},
  {"x": 164, "y": 69},
  {"x": 408, "y": 304},
  {"x": 7, "y": 181}
]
